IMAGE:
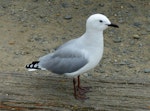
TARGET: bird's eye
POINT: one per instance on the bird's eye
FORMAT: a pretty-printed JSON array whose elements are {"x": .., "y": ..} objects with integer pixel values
[{"x": 101, "y": 21}]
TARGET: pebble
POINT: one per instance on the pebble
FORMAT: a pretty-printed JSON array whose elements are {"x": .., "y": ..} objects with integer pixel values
[
  {"x": 87, "y": 2},
  {"x": 125, "y": 62},
  {"x": 144, "y": 33},
  {"x": 122, "y": 63},
  {"x": 131, "y": 65},
  {"x": 140, "y": 45},
  {"x": 35, "y": 0},
  {"x": 7, "y": 94},
  {"x": 102, "y": 71},
  {"x": 117, "y": 40},
  {"x": 136, "y": 36},
  {"x": 42, "y": 16},
  {"x": 85, "y": 74},
  {"x": 117, "y": 70},
  {"x": 68, "y": 17},
  {"x": 132, "y": 42},
  {"x": 121, "y": 20},
  {"x": 32, "y": 26},
  {"x": 146, "y": 70},
  {"x": 65, "y": 5},
  {"x": 137, "y": 24},
  {"x": 148, "y": 29},
  {"x": 125, "y": 51},
  {"x": 99, "y": 70},
  {"x": 101, "y": 5}
]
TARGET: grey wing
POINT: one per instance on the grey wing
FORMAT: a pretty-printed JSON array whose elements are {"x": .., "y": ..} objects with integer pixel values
[
  {"x": 46, "y": 57},
  {"x": 63, "y": 61}
]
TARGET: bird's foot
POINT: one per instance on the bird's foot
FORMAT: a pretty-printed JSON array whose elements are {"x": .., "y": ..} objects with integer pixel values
[
  {"x": 79, "y": 96},
  {"x": 83, "y": 90}
]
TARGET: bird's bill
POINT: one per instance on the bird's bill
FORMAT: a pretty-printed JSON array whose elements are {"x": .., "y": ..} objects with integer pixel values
[{"x": 113, "y": 25}]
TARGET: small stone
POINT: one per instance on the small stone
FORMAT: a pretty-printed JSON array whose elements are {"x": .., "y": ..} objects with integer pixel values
[
  {"x": 64, "y": 5},
  {"x": 86, "y": 74},
  {"x": 117, "y": 40},
  {"x": 148, "y": 29},
  {"x": 131, "y": 65},
  {"x": 143, "y": 33},
  {"x": 121, "y": 20},
  {"x": 87, "y": 2},
  {"x": 137, "y": 24},
  {"x": 68, "y": 17},
  {"x": 101, "y": 5},
  {"x": 146, "y": 70},
  {"x": 140, "y": 45},
  {"x": 35, "y": 0},
  {"x": 117, "y": 70},
  {"x": 132, "y": 42},
  {"x": 136, "y": 36},
  {"x": 124, "y": 51},
  {"x": 115, "y": 15},
  {"x": 102, "y": 71},
  {"x": 32, "y": 26},
  {"x": 122, "y": 63},
  {"x": 42, "y": 16},
  {"x": 7, "y": 94},
  {"x": 11, "y": 43},
  {"x": 122, "y": 7}
]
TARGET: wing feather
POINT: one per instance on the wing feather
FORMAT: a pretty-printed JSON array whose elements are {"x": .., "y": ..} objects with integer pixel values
[{"x": 63, "y": 61}]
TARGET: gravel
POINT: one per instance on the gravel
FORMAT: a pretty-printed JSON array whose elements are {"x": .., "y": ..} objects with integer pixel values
[{"x": 31, "y": 29}]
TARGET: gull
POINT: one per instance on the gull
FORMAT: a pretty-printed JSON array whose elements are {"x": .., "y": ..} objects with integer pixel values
[{"x": 78, "y": 55}]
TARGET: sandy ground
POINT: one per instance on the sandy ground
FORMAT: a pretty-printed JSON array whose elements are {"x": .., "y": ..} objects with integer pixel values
[{"x": 32, "y": 28}]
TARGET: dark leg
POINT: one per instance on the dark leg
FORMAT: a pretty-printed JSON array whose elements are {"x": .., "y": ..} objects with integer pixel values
[
  {"x": 78, "y": 81},
  {"x": 81, "y": 89},
  {"x": 77, "y": 95},
  {"x": 74, "y": 86}
]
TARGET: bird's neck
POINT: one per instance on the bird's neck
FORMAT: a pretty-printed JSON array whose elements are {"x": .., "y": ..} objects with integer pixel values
[{"x": 93, "y": 37}]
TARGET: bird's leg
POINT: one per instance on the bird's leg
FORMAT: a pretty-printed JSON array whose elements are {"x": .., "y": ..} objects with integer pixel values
[
  {"x": 77, "y": 95},
  {"x": 74, "y": 86},
  {"x": 81, "y": 89}
]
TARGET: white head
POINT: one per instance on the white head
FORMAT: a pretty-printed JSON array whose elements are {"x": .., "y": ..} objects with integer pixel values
[{"x": 98, "y": 22}]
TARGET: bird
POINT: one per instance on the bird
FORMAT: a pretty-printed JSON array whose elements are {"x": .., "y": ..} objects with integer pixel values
[{"x": 78, "y": 55}]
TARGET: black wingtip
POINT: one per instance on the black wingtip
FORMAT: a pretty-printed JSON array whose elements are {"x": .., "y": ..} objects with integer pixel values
[{"x": 32, "y": 65}]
